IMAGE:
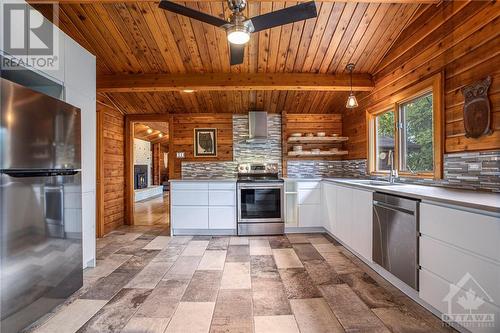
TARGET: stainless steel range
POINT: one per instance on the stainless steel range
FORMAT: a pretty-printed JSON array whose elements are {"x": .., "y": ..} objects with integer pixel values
[{"x": 260, "y": 199}]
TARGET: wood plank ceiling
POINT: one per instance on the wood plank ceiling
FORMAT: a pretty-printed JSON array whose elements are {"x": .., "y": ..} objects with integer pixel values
[{"x": 138, "y": 37}]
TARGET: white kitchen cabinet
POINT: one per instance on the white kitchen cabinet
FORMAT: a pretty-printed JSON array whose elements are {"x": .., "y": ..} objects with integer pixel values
[
  {"x": 88, "y": 229},
  {"x": 203, "y": 206},
  {"x": 222, "y": 217},
  {"x": 361, "y": 223},
  {"x": 310, "y": 216},
  {"x": 79, "y": 68},
  {"x": 329, "y": 207},
  {"x": 190, "y": 198},
  {"x": 190, "y": 217},
  {"x": 478, "y": 233},
  {"x": 344, "y": 214},
  {"x": 222, "y": 198}
]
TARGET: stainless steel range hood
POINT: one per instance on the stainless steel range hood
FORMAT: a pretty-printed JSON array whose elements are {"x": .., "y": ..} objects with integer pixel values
[{"x": 257, "y": 127}]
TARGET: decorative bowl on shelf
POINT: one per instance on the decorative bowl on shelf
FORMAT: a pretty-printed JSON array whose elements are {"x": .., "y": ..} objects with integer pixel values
[
  {"x": 315, "y": 151},
  {"x": 309, "y": 135},
  {"x": 334, "y": 150},
  {"x": 296, "y": 135},
  {"x": 335, "y": 135},
  {"x": 321, "y": 134},
  {"x": 297, "y": 148}
]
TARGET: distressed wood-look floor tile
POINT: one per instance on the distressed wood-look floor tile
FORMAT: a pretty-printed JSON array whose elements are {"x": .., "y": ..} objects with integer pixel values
[
  {"x": 163, "y": 300},
  {"x": 238, "y": 253},
  {"x": 191, "y": 317},
  {"x": 72, "y": 317},
  {"x": 353, "y": 314},
  {"x": 105, "y": 288},
  {"x": 263, "y": 266},
  {"x": 368, "y": 290},
  {"x": 400, "y": 322},
  {"x": 158, "y": 243},
  {"x": 279, "y": 242},
  {"x": 233, "y": 312},
  {"x": 325, "y": 248},
  {"x": 145, "y": 325},
  {"x": 195, "y": 248},
  {"x": 213, "y": 260},
  {"x": 313, "y": 316},
  {"x": 340, "y": 263},
  {"x": 218, "y": 243},
  {"x": 322, "y": 273},
  {"x": 183, "y": 268},
  {"x": 269, "y": 297},
  {"x": 286, "y": 258},
  {"x": 238, "y": 241},
  {"x": 260, "y": 247},
  {"x": 298, "y": 238},
  {"x": 203, "y": 287},
  {"x": 298, "y": 284},
  {"x": 150, "y": 276},
  {"x": 236, "y": 275},
  {"x": 275, "y": 324},
  {"x": 106, "y": 266},
  {"x": 117, "y": 312},
  {"x": 306, "y": 252}
]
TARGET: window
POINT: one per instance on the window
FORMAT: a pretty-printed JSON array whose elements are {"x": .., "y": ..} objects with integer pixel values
[
  {"x": 384, "y": 140},
  {"x": 409, "y": 129}
]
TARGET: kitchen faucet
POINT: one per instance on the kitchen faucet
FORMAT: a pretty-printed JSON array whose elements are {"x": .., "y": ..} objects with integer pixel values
[{"x": 393, "y": 173}]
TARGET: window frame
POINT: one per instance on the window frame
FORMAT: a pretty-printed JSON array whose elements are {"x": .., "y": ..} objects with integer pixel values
[{"x": 433, "y": 84}]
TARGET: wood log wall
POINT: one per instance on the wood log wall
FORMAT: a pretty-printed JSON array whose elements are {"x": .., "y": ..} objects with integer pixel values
[
  {"x": 183, "y": 138},
  {"x": 111, "y": 168},
  {"x": 458, "y": 38}
]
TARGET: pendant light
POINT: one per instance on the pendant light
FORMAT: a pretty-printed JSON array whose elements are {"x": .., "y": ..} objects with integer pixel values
[{"x": 351, "y": 100}]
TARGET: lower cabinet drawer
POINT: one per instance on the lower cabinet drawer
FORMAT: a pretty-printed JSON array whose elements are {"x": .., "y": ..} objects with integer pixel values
[
  {"x": 190, "y": 217},
  {"x": 222, "y": 217},
  {"x": 189, "y": 198},
  {"x": 222, "y": 198},
  {"x": 445, "y": 297},
  {"x": 453, "y": 265}
]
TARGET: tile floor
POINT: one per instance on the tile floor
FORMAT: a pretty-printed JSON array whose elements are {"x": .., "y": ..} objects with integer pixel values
[{"x": 146, "y": 281}]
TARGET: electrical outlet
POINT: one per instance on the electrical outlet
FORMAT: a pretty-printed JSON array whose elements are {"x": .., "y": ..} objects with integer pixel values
[
  {"x": 180, "y": 154},
  {"x": 474, "y": 166}
]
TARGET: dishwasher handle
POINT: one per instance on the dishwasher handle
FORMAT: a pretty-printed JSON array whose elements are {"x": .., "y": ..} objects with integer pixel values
[{"x": 392, "y": 207}]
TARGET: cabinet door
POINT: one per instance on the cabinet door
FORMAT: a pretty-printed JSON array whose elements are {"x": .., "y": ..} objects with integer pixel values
[
  {"x": 87, "y": 107},
  {"x": 222, "y": 198},
  {"x": 329, "y": 205},
  {"x": 344, "y": 213},
  {"x": 309, "y": 196},
  {"x": 361, "y": 228},
  {"x": 79, "y": 68},
  {"x": 190, "y": 217},
  {"x": 222, "y": 217},
  {"x": 310, "y": 216}
]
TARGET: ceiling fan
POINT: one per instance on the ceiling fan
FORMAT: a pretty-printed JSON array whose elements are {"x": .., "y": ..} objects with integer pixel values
[{"x": 239, "y": 28}]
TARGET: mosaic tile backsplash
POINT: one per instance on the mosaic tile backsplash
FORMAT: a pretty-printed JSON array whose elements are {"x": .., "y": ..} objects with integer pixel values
[
  {"x": 242, "y": 151},
  {"x": 327, "y": 169}
]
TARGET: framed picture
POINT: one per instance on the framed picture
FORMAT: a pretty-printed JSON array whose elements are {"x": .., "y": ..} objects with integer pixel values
[{"x": 205, "y": 142}]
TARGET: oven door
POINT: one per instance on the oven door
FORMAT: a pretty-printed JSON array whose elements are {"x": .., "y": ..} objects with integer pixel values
[{"x": 260, "y": 203}]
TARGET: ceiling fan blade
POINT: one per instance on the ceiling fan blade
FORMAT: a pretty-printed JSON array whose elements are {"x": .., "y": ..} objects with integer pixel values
[
  {"x": 236, "y": 53},
  {"x": 284, "y": 16},
  {"x": 181, "y": 10}
]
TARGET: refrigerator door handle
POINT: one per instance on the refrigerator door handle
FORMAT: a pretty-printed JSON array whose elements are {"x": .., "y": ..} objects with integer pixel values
[{"x": 38, "y": 173}]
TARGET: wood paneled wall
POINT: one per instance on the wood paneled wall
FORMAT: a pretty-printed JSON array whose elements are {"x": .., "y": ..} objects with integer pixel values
[
  {"x": 111, "y": 174},
  {"x": 182, "y": 138},
  {"x": 457, "y": 38}
]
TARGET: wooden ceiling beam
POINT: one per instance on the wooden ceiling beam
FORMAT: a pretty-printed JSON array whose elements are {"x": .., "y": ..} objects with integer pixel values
[{"x": 120, "y": 83}]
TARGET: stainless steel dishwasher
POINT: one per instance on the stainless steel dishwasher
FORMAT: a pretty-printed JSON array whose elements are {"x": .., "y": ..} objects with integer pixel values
[{"x": 395, "y": 236}]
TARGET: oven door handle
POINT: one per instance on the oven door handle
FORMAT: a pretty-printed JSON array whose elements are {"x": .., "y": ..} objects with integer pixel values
[{"x": 260, "y": 186}]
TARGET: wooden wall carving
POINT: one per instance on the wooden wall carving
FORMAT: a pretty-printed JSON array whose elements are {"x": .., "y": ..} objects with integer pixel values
[{"x": 477, "y": 109}]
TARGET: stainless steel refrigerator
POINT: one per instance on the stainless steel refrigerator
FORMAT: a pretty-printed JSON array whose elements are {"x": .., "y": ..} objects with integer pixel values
[{"x": 40, "y": 204}]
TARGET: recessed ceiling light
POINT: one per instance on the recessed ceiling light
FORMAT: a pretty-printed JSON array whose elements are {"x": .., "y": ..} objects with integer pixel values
[
  {"x": 188, "y": 91},
  {"x": 160, "y": 135},
  {"x": 149, "y": 131}
]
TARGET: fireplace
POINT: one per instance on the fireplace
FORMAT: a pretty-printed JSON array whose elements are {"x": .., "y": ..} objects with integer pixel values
[{"x": 140, "y": 176}]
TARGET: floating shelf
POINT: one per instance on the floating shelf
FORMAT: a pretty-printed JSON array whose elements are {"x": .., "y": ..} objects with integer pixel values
[
  {"x": 321, "y": 154},
  {"x": 318, "y": 139}
]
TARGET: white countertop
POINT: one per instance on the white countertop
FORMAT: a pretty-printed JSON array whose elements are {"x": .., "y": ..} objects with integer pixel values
[
  {"x": 218, "y": 180},
  {"x": 488, "y": 201}
]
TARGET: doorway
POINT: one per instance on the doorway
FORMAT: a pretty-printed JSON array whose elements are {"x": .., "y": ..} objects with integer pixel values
[{"x": 147, "y": 164}]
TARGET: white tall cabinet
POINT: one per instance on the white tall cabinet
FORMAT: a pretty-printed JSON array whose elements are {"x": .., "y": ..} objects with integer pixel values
[{"x": 77, "y": 75}]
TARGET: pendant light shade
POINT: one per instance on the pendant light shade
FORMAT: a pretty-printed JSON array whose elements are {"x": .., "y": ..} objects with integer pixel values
[{"x": 351, "y": 100}]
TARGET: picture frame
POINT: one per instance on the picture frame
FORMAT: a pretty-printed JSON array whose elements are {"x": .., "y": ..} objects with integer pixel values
[{"x": 205, "y": 142}]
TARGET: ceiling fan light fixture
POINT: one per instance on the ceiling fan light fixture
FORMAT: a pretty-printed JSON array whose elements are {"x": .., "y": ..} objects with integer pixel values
[{"x": 238, "y": 35}]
